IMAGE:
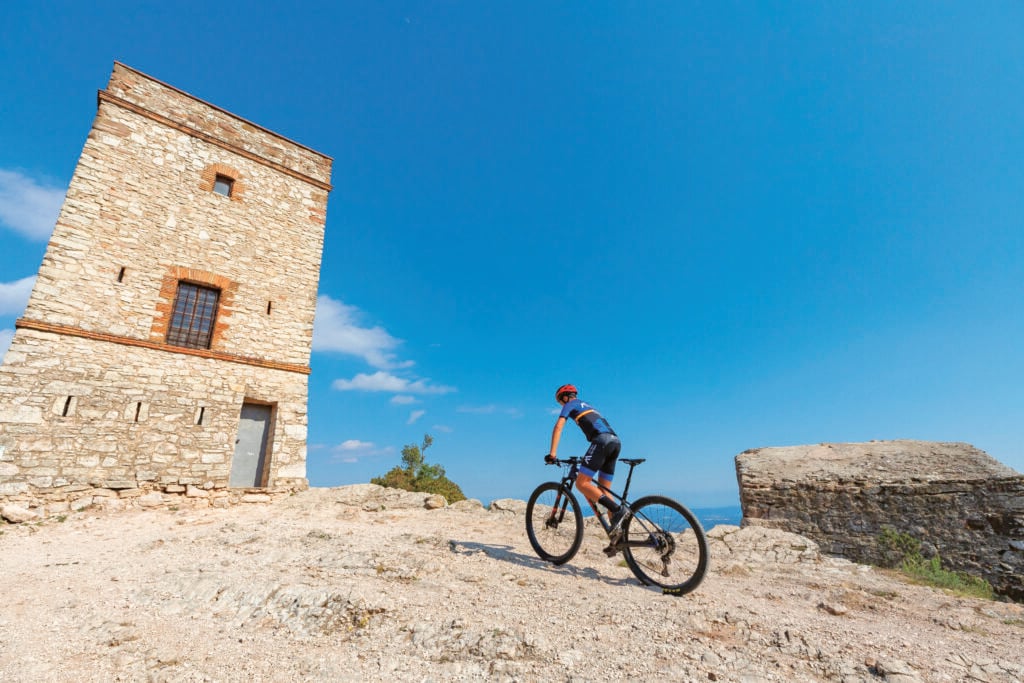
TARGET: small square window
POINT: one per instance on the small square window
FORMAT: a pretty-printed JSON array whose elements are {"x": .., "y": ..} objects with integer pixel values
[
  {"x": 223, "y": 185},
  {"x": 193, "y": 316}
]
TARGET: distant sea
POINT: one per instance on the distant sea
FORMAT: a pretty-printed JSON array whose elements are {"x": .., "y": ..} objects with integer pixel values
[{"x": 710, "y": 517}]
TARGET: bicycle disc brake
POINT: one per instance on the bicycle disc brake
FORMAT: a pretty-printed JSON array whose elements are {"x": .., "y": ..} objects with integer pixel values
[{"x": 666, "y": 546}]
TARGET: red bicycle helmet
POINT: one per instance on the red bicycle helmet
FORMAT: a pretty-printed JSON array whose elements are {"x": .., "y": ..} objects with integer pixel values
[{"x": 565, "y": 389}]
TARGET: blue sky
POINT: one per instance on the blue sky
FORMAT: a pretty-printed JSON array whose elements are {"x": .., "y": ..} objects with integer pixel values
[{"x": 733, "y": 225}]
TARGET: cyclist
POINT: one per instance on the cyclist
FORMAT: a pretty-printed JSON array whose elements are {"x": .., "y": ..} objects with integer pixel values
[{"x": 600, "y": 457}]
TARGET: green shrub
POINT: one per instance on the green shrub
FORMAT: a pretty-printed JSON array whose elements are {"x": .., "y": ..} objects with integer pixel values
[
  {"x": 931, "y": 573},
  {"x": 418, "y": 475},
  {"x": 900, "y": 549},
  {"x": 896, "y": 546}
]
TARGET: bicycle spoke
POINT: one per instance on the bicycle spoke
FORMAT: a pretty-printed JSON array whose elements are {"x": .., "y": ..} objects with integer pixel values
[
  {"x": 665, "y": 545},
  {"x": 554, "y": 523}
]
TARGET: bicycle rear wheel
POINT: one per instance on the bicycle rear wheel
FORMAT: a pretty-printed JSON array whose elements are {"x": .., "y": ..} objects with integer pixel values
[
  {"x": 665, "y": 545},
  {"x": 554, "y": 523}
]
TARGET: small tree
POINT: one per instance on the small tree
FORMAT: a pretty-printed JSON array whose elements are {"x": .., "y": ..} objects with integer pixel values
[{"x": 419, "y": 475}]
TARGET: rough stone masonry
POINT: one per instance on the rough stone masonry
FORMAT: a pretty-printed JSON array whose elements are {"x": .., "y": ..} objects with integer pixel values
[
  {"x": 165, "y": 347},
  {"x": 965, "y": 504}
]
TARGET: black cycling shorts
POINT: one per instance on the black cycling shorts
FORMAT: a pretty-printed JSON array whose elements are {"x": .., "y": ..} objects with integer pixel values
[{"x": 601, "y": 456}]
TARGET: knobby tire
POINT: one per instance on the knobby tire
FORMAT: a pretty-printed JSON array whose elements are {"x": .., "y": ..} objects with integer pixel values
[
  {"x": 665, "y": 538},
  {"x": 554, "y": 542}
]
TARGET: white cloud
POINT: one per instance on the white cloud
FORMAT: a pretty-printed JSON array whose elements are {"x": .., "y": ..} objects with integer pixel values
[
  {"x": 444, "y": 429},
  {"x": 354, "y": 450},
  {"x": 5, "y": 341},
  {"x": 415, "y": 415},
  {"x": 384, "y": 381},
  {"x": 403, "y": 400},
  {"x": 354, "y": 445},
  {"x": 337, "y": 329},
  {"x": 28, "y": 207},
  {"x": 14, "y": 295}
]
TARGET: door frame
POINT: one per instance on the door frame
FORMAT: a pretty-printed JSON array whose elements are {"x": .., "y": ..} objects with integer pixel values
[{"x": 268, "y": 455}]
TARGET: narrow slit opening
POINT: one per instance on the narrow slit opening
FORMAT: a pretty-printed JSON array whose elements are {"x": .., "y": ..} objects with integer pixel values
[
  {"x": 120, "y": 276},
  {"x": 138, "y": 410},
  {"x": 67, "y": 407},
  {"x": 200, "y": 415},
  {"x": 269, "y": 305}
]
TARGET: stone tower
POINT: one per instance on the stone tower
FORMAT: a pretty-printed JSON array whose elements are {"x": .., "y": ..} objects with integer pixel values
[{"x": 165, "y": 347}]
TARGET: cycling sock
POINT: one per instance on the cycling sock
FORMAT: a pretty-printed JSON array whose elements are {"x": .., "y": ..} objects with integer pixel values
[{"x": 609, "y": 504}]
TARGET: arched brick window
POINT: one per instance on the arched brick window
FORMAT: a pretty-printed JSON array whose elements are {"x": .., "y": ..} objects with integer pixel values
[
  {"x": 223, "y": 180},
  {"x": 193, "y": 308}
]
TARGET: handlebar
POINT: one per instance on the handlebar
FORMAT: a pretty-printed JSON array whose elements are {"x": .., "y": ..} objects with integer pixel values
[
  {"x": 565, "y": 461},
  {"x": 576, "y": 460}
]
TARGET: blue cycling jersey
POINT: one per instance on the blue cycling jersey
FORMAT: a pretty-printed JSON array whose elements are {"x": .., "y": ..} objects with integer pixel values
[{"x": 588, "y": 419}]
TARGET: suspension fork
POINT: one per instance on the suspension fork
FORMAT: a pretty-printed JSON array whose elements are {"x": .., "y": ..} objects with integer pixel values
[{"x": 561, "y": 500}]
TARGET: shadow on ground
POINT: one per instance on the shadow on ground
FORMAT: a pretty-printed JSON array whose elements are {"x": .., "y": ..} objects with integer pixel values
[{"x": 506, "y": 553}]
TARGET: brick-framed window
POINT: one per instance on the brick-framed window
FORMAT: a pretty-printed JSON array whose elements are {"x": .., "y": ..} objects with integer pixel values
[
  {"x": 168, "y": 300},
  {"x": 223, "y": 184},
  {"x": 223, "y": 180},
  {"x": 193, "y": 316}
]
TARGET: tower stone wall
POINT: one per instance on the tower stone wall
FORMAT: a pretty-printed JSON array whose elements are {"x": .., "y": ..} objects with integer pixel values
[{"x": 96, "y": 404}]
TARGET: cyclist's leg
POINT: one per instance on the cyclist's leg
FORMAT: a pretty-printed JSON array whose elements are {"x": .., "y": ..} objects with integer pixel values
[
  {"x": 611, "y": 456},
  {"x": 585, "y": 479},
  {"x": 611, "y": 453},
  {"x": 585, "y": 484},
  {"x": 594, "y": 462},
  {"x": 606, "y": 473}
]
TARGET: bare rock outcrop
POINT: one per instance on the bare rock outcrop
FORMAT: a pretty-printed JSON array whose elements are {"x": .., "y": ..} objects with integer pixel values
[
  {"x": 368, "y": 584},
  {"x": 373, "y": 497},
  {"x": 954, "y": 498}
]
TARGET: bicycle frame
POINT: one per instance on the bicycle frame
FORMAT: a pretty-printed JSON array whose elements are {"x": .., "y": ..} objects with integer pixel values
[{"x": 569, "y": 480}]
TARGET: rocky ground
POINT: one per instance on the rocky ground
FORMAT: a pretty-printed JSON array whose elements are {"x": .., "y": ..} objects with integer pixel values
[{"x": 362, "y": 583}]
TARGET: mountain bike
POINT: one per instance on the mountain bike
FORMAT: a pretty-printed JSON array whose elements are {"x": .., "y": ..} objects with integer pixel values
[{"x": 662, "y": 542}]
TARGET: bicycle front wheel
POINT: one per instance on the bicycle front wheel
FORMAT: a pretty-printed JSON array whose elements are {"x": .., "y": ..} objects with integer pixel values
[
  {"x": 554, "y": 523},
  {"x": 665, "y": 545}
]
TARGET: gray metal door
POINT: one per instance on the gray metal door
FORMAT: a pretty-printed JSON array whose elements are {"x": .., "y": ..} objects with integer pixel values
[{"x": 250, "y": 446}]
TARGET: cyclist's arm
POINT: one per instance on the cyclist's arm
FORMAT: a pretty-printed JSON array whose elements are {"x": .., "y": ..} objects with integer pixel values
[{"x": 556, "y": 436}]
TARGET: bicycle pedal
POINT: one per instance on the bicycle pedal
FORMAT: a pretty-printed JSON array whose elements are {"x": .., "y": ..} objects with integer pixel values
[{"x": 611, "y": 551}]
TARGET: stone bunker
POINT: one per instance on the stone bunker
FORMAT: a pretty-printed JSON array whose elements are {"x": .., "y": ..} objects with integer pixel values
[{"x": 952, "y": 497}]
